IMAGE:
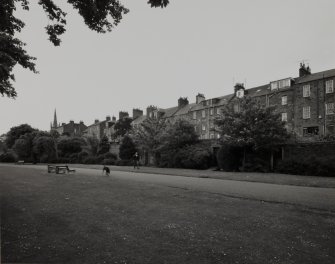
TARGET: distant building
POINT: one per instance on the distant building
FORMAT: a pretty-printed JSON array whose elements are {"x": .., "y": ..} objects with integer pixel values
[
  {"x": 101, "y": 128},
  {"x": 71, "y": 129}
]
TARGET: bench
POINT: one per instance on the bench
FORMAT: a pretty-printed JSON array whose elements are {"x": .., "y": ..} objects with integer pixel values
[
  {"x": 20, "y": 162},
  {"x": 60, "y": 169}
]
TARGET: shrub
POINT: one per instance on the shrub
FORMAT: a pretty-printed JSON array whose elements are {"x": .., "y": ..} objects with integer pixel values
[
  {"x": 7, "y": 157},
  {"x": 193, "y": 157},
  {"x": 82, "y": 155},
  {"x": 309, "y": 166},
  {"x": 124, "y": 163},
  {"x": 91, "y": 160},
  {"x": 229, "y": 158},
  {"x": 110, "y": 156},
  {"x": 63, "y": 160},
  {"x": 109, "y": 162},
  {"x": 127, "y": 148}
]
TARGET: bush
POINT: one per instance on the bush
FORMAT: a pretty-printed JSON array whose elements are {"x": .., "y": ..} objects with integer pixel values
[
  {"x": 82, "y": 155},
  {"x": 63, "y": 160},
  {"x": 7, "y": 157},
  {"x": 124, "y": 163},
  {"x": 310, "y": 166},
  {"x": 193, "y": 157},
  {"x": 110, "y": 156},
  {"x": 91, "y": 160},
  {"x": 109, "y": 162},
  {"x": 229, "y": 158}
]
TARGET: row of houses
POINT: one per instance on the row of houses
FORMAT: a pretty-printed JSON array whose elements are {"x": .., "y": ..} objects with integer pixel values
[{"x": 306, "y": 104}]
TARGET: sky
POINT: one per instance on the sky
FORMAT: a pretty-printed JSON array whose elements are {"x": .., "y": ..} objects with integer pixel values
[{"x": 155, "y": 56}]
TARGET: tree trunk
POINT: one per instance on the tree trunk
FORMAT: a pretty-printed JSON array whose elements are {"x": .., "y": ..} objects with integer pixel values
[{"x": 271, "y": 160}]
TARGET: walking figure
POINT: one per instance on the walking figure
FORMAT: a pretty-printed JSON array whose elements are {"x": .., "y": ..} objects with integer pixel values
[
  {"x": 136, "y": 158},
  {"x": 106, "y": 170}
]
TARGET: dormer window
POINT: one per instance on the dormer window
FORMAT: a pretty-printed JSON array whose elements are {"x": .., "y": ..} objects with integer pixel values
[
  {"x": 280, "y": 84},
  {"x": 240, "y": 93}
]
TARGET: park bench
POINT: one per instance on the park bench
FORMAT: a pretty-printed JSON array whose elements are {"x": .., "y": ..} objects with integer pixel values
[
  {"x": 20, "y": 162},
  {"x": 60, "y": 169}
]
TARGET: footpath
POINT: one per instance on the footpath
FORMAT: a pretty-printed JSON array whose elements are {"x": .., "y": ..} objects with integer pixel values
[{"x": 273, "y": 178}]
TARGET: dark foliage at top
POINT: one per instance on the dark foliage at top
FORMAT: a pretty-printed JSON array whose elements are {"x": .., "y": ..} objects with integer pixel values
[{"x": 99, "y": 15}]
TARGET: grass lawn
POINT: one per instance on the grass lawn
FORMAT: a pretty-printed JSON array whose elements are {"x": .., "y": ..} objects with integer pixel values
[{"x": 48, "y": 218}]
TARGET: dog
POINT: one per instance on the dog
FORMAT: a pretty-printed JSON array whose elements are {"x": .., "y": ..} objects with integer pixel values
[{"x": 106, "y": 170}]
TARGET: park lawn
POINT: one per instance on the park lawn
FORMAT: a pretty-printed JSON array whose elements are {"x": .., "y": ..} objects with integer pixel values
[{"x": 48, "y": 218}]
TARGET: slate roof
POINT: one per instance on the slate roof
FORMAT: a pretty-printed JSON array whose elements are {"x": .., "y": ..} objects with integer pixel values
[
  {"x": 139, "y": 120},
  {"x": 315, "y": 76}
]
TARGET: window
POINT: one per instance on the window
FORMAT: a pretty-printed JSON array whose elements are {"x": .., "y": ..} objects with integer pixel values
[
  {"x": 212, "y": 136},
  {"x": 329, "y": 86},
  {"x": 306, "y": 91},
  {"x": 203, "y": 128},
  {"x": 284, "y": 117},
  {"x": 211, "y": 111},
  {"x": 194, "y": 115},
  {"x": 218, "y": 136},
  {"x": 306, "y": 112},
  {"x": 240, "y": 93},
  {"x": 280, "y": 84},
  {"x": 329, "y": 108},
  {"x": 284, "y": 100},
  {"x": 203, "y": 113},
  {"x": 274, "y": 85},
  {"x": 310, "y": 131},
  {"x": 195, "y": 128},
  {"x": 217, "y": 111}
]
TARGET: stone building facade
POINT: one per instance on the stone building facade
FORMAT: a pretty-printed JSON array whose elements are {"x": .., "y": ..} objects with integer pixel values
[{"x": 306, "y": 104}]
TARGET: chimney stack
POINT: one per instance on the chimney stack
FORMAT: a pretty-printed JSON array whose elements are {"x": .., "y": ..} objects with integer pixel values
[
  {"x": 96, "y": 121},
  {"x": 108, "y": 118},
  {"x": 182, "y": 101},
  {"x": 303, "y": 71},
  {"x": 199, "y": 98},
  {"x": 123, "y": 114},
  {"x": 137, "y": 113}
]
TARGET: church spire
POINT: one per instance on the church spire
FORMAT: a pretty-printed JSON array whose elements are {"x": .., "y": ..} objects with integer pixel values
[{"x": 55, "y": 120}]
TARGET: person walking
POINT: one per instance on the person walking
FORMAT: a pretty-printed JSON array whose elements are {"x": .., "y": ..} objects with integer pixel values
[{"x": 136, "y": 158}]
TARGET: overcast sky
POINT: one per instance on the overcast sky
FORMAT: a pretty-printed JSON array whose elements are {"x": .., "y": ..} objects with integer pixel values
[{"x": 155, "y": 56}]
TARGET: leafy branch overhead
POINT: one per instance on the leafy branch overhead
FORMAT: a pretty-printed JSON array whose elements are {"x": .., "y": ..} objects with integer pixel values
[{"x": 99, "y": 15}]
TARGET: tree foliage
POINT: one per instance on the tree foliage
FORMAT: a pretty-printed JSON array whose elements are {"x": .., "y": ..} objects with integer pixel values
[
  {"x": 99, "y": 15},
  {"x": 16, "y": 132},
  {"x": 103, "y": 145},
  {"x": 122, "y": 127},
  {"x": 147, "y": 135},
  {"x": 127, "y": 148},
  {"x": 253, "y": 125},
  {"x": 177, "y": 135},
  {"x": 68, "y": 146}
]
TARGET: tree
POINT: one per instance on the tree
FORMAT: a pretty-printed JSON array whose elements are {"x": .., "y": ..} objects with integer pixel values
[
  {"x": 103, "y": 145},
  {"x": 127, "y": 148},
  {"x": 44, "y": 148},
  {"x": 99, "y": 15},
  {"x": 69, "y": 146},
  {"x": 16, "y": 132},
  {"x": 148, "y": 134},
  {"x": 92, "y": 145},
  {"x": 122, "y": 127},
  {"x": 252, "y": 126},
  {"x": 177, "y": 135}
]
